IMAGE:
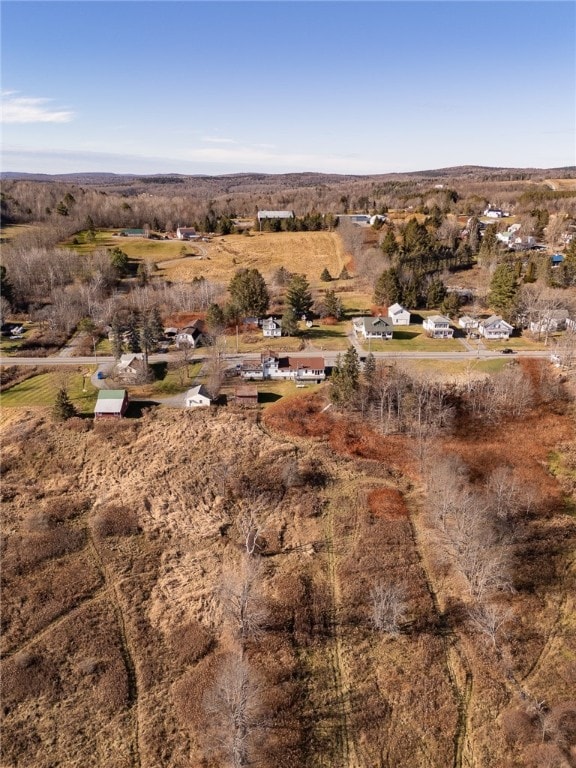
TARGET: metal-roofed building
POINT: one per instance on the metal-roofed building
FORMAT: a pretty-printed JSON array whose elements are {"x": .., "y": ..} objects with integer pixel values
[{"x": 111, "y": 403}]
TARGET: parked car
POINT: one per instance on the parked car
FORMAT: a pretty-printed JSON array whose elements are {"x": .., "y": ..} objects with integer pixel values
[{"x": 508, "y": 351}]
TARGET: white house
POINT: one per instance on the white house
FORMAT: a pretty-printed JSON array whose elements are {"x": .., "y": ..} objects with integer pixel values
[
  {"x": 438, "y": 327},
  {"x": 494, "y": 213},
  {"x": 274, "y": 366},
  {"x": 398, "y": 315},
  {"x": 197, "y": 397},
  {"x": 468, "y": 323},
  {"x": 272, "y": 328},
  {"x": 187, "y": 233},
  {"x": 494, "y": 327},
  {"x": 191, "y": 336},
  {"x": 372, "y": 327},
  {"x": 550, "y": 321},
  {"x": 130, "y": 365}
]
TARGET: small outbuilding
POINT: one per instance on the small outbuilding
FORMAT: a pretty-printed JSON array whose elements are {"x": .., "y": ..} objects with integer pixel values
[
  {"x": 198, "y": 397},
  {"x": 247, "y": 395},
  {"x": 111, "y": 404}
]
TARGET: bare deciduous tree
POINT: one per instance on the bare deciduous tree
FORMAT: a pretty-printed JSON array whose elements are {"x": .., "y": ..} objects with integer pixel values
[
  {"x": 389, "y": 608},
  {"x": 243, "y": 602},
  {"x": 233, "y": 713},
  {"x": 490, "y": 619}
]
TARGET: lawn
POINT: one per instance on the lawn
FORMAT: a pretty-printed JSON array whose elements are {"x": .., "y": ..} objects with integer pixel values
[
  {"x": 517, "y": 342},
  {"x": 41, "y": 390},
  {"x": 268, "y": 391},
  {"x": 167, "y": 382},
  {"x": 411, "y": 338}
]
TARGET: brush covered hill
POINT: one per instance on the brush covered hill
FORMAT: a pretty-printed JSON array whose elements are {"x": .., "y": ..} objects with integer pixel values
[{"x": 198, "y": 589}]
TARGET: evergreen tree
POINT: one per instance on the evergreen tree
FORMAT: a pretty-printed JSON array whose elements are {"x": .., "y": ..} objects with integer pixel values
[
  {"x": 530, "y": 276},
  {"x": 298, "y": 295},
  {"x": 489, "y": 246},
  {"x": 389, "y": 245},
  {"x": 63, "y": 409},
  {"x": 503, "y": 293},
  {"x": 435, "y": 293},
  {"x": 215, "y": 319},
  {"x": 388, "y": 290},
  {"x": 249, "y": 293},
  {"x": 6, "y": 290},
  {"x": 289, "y": 322},
  {"x": 116, "y": 333},
  {"x": 474, "y": 234},
  {"x": 133, "y": 333},
  {"x": 345, "y": 377},
  {"x": 326, "y": 277},
  {"x": 332, "y": 306},
  {"x": 344, "y": 274},
  {"x": 568, "y": 267},
  {"x": 370, "y": 368},
  {"x": 119, "y": 260}
]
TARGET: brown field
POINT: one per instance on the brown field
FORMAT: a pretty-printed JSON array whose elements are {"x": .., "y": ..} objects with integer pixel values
[
  {"x": 562, "y": 185},
  {"x": 305, "y": 252},
  {"x": 125, "y": 543}
]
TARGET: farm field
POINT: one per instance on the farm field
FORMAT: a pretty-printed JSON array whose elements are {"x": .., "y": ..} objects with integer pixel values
[{"x": 217, "y": 260}]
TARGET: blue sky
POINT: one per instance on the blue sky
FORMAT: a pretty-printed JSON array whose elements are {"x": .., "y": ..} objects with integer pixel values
[{"x": 344, "y": 87}]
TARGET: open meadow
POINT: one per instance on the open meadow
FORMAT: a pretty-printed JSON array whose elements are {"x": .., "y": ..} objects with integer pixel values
[{"x": 153, "y": 567}]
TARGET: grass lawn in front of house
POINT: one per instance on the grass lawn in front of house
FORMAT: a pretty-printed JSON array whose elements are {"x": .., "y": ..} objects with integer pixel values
[
  {"x": 411, "y": 338},
  {"x": 518, "y": 342},
  {"x": 41, "y": 390},
  {"x": 168, "y": 381}
]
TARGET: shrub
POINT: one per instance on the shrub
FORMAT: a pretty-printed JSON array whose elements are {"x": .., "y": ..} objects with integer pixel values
[{"x": 115, "y": 520}]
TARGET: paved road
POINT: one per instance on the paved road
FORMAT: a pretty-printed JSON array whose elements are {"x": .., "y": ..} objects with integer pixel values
[{"x": 233, "y": 359}]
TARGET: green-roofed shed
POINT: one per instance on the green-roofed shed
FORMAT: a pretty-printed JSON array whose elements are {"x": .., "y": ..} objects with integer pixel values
[{"x": 111, "y": 403}]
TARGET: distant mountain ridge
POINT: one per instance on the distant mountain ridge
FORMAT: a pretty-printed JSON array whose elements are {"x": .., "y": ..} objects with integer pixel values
[{"x": 306, "y": 178}]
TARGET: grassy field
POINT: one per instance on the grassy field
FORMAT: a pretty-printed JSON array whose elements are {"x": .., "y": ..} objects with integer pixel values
[
  {"x": 516, "y": 342},
  {"x": 41, "y": 391},
  {"x": 306, "y": 252}
]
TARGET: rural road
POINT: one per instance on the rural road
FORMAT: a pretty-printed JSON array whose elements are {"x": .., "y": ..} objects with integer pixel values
[{"x": 233, "y": 359}]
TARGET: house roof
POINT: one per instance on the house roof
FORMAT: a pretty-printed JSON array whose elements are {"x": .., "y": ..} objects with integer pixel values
[
  {"x": 246, "y": 391},
  {"x": 110, "y": 401},
  {"x": 275, "y": 214},
  {"x": 438, "y": 319},
  {"x": 198, "y": 390},
  {"x": 133, "y": 231},
  {"x": 373, "y": 323},
  {"x": 272, "y": 322},
  {"x": 314, "y": 363},
  {"x": 494, "y": 320},
  {"x": 395, "y": 309}
]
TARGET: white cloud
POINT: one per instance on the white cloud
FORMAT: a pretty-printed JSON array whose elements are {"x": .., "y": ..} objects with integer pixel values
[
  {"x": 23, "y": 109},
  {"x": 216, "y": 140}
]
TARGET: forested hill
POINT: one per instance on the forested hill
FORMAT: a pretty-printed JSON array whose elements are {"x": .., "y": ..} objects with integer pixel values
[{"x": 270, "y": 180}]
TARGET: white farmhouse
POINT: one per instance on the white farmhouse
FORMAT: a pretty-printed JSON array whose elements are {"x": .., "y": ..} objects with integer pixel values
[
  {"x": 494, "y": 327},
  {"x": 372, "y": 327},
  {"x": 438, "y": 327},
  {"x": 272, "y": 328},
  {"x": 398, "y": 315}
]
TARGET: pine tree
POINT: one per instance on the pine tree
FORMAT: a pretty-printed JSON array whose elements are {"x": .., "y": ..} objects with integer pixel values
[
  {"x": 248, "y": 291},
  {"x": 119, "y": 260},
  {"x": 116, "y": 334},
  {"x": 332, "y": 306},
  {"x": 215, "y": 318},
  {"x": 388, "y": 290},
  {"x": 298, "y": 296},
  {"x": 344, "y": 274},
  {"x": 345, "y": 377},
  {"x": 133, "y": 333},
  {"x": 289, "y": 323},
  {"x": 63, "y": 408},
  {"x": 389, "y": 245},
  {"x": 504, "y": 290},
  {"x": 326, "y": 277}
]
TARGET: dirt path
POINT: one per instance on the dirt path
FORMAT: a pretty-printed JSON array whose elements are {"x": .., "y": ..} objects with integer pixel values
[
  {"x": 127, "y": 655},
  {"x": 457, "y": 665}
]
